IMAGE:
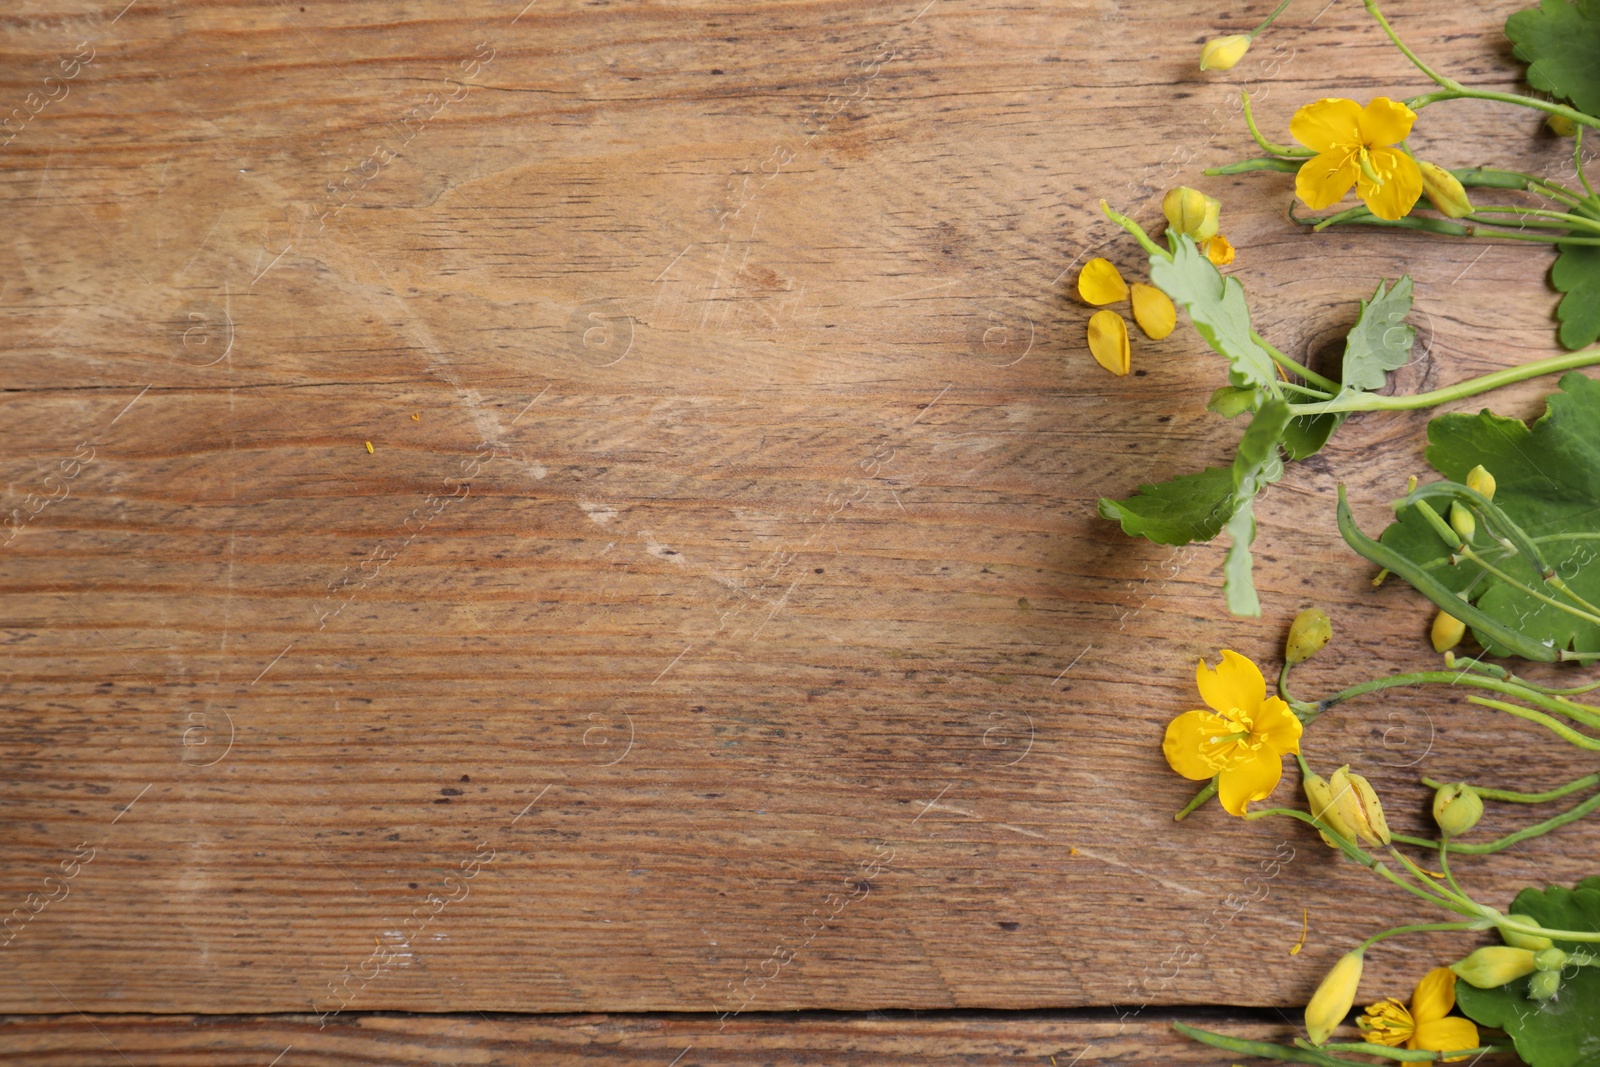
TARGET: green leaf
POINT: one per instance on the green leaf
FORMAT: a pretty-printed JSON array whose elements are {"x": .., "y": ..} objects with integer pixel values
[
  {"x": 1216, "y": 307},
  {"x": 1564, "y": 1032},
  {"x": 1306, "y": 434},
  {"x": 1548, "y": 483},
  {"x": 1560, "y": 42},
  {"x": 1380, "y": 340},
  {"x": 1197, "y": 507},
  {"x": 1256, "y": 465},
  {"x": 1190, "y": 507},
  {"x": 1577, "y": 273}
]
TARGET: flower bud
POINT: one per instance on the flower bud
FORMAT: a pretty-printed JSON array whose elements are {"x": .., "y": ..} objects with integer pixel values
[
  {"x": 1544, "y": 985},
  {"x": 1533, "y": 942},
  {"x": 1550, "y": 959},
  {"x": 1189, "y": 211},
  {"x": 1462, "y": 521},
  {"x": 1494, "y": 966},
  {"x": 1481, "y": 481},
  {"x": 1310, "y": 631},
  {"x": 1334, "y": 998},
  {"x": 1320, "y": 796},
  {"x": 1447, "y": 631},
  {"x": 1456, "y": 808},
  {"x": 1357, "y": 804},
  {"x": 1444, "y": 190},
  {"x": 1230, "y": 401},
  {"x": 1560, "y": 125},
  {"x": 1222, "y": 53}
]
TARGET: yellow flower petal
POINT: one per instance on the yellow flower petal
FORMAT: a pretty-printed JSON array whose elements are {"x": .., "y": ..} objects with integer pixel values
[
  {"x": 1219, "y": 251},
  {"x": 1108, "y": 341},
  {"x": 1099, "y": 283},
  {"x": 1451, "y": 1034},
  {"x": 1384, "y": 121},
  {"x": 1153, "y": 311},
  {"x": 1401, "y": 187},
  {"x": 1189, "y": 745},
  {"x": 1434, "y": 997},
  {"x": 1252, "y": 778},
  {"x": 1323, "y": 179},
  {"x": 1236, "y": 683},
  {"x": 1280, "y": 729},
  {"x": 1329, "y": 123}
]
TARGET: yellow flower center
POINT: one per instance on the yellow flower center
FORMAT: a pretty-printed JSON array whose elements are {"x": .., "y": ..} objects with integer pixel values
[
  {"x": 1368, "y": 169},
  {"x": 1387, "y": 1023},
  {"x": 1243, "y": 739}
]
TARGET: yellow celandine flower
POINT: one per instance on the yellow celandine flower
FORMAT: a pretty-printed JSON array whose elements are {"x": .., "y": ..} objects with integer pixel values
[
  {"x": 1353, "y": 146},
  {"x": 1241, "y": 741},
  {"x": 1428, "y": 1025}
]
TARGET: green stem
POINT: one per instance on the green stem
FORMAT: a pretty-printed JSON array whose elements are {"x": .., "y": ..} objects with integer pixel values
[
  {"x": 1567, "y": 220},
  {"x": 1401, "y": 1055},
  {"x": 1577, "y": 162},
  {"x": 1426, "y": 879},
  {"x": 1269, "y": 19},
  {"x": 1134, "y": 228},
  {"x": 1246, "y": 166},
  {"x": 1266, "y": 145},
  {"x": 1560, "y": 729},
  {"x": 1537, "y": 830},
  {"x": 1305, "y": 372},
  {"x": 1470, "y": 555},
  {"x": 1462, "y": 93},
  {"x": 1510, "y": 797},
  {"x": 1360, "y": 401},
  {"x": 1434, "y": 76},
  {"x": 1494, "y": 178},
  {"x": 1497, "y": 178},
  {"x": 1444, "y": 865},
  {"x": 1261, "y": 1049},
  {"x": 1420, "y": 928},
  {"x": 1506, "y": 922},
  {"x": 1499, "y": 634},
  {"x": 1199, "y": 798},
  {"x": 1437, "y": 896},
  {"x": 1580, "y": 713}
]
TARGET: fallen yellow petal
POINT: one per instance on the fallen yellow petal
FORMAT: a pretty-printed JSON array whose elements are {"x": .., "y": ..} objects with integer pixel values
[
  {"x": 369, "y": 447},
  {"x": 1100, "y": 284},
  {"x": 1108, "y": 340},
  {"x": 1153, "y": 311},
  {"x": 1219, "y": 251}
]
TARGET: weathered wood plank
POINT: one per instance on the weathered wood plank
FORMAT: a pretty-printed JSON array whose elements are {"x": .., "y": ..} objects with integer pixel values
[
  {"x": 815, "y": 1039},
  {"x": 770, "y": 641}
]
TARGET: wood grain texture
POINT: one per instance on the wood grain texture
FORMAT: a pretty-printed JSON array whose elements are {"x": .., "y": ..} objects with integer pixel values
[
  {"x": 815, "y": 1039},
  {"x": 724, "y": 561}
]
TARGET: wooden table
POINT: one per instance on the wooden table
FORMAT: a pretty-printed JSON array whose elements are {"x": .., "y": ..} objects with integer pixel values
[{"x": 582, "y": 529}]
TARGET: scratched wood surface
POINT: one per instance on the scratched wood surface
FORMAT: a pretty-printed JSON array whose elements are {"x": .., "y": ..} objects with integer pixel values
[
  {"x": 968, "y": 1039},
  {"x": 590, "y": 508}
]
